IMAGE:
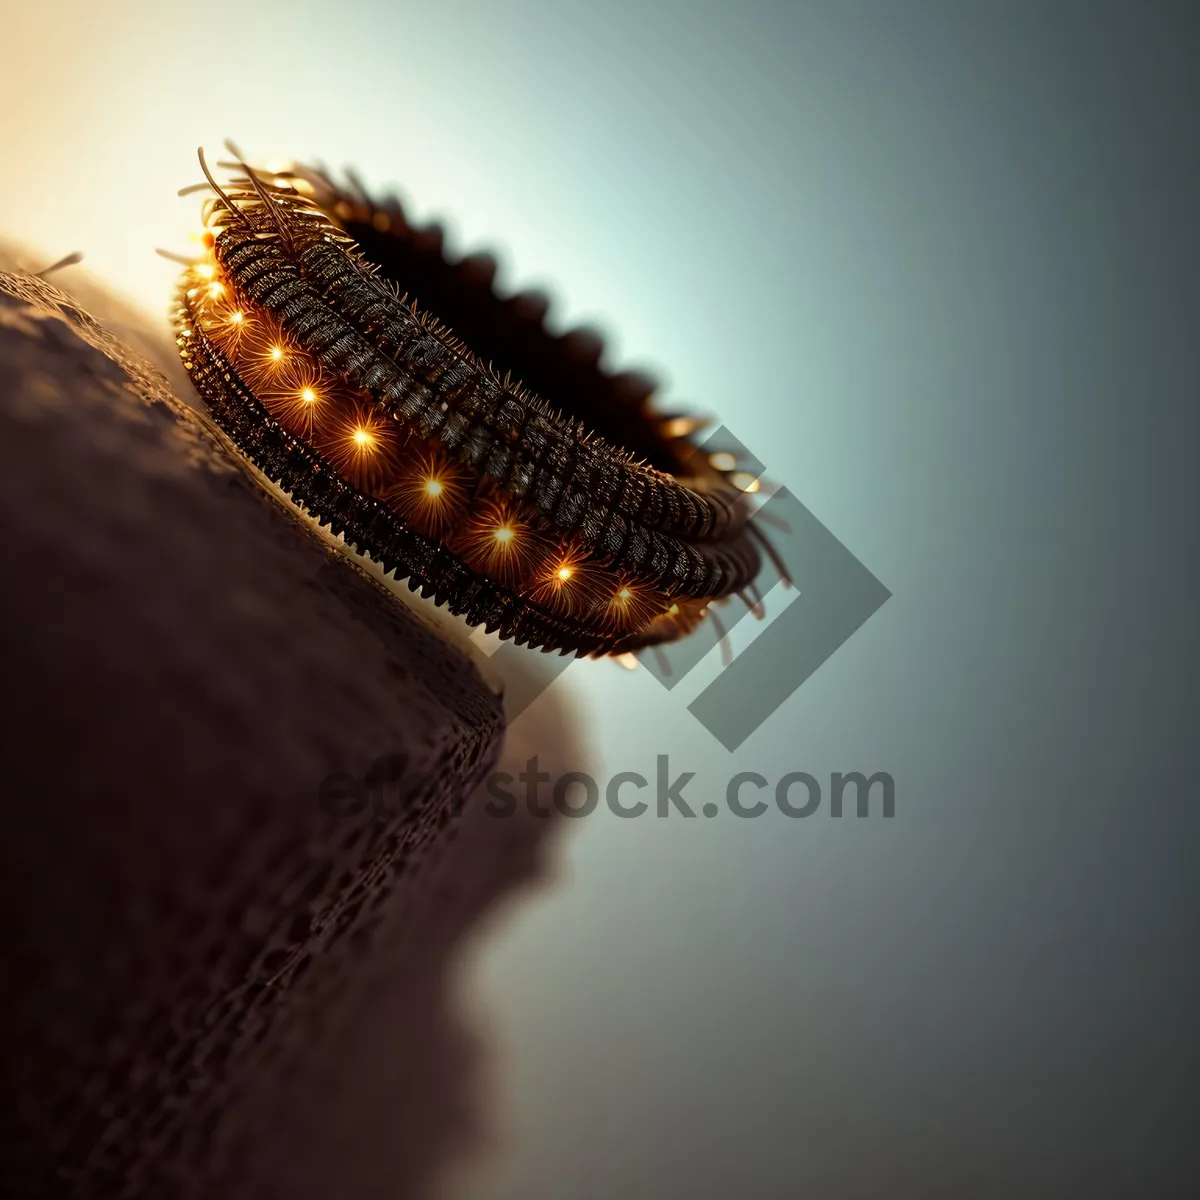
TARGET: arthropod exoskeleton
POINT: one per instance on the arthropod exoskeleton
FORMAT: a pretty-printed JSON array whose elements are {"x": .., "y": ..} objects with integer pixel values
[{"x": 373, "y": 378}]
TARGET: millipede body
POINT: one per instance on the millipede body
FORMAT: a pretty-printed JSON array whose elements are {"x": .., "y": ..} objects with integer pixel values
[{"x": 374, "y": 381}]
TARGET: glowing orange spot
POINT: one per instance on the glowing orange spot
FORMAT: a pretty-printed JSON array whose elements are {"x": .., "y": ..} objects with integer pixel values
[
  {"x": 504, "y": 535},
  {"x": 275, "y": 354},
  {"x": 433, "y": 487},
  {"x": 679, "y": 427},
  {"x": 308, "y": 396},
  {"x": 564, "y": 573},
  {"x": 362, "y": 439}
]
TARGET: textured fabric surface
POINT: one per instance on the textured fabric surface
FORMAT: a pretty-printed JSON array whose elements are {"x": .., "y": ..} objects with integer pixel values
[{"x": 215, "y": 983}]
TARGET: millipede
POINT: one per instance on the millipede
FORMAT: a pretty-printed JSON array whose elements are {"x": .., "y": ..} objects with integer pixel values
[{"x": 374, "y": 379}]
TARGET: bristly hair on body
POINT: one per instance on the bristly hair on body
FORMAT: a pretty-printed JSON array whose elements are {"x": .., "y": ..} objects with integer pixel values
[{"x": 373, "y": 379}]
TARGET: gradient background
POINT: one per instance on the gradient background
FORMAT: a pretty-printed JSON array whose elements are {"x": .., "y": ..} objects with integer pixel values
[{"x": 937, "y": 265}]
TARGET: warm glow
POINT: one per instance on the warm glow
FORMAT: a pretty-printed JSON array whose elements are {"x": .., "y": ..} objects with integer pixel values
[
  {"x": 673, "y": 611},
  {"x": 745, "y": 481},
  {"x": 237, "y": 318},
  {"x": 433, "y": 487},
  {"x": 206, "y": 270},
  {"x": 216, "y": 289},
  {"x": 624, "y": 594},
  {"x": 362, "y": 439},
  {"x": 308, "y": 396},
  {"x": 679, "y": 427},
  {"x": 276, "y": 354},
  {"x": 504, "y": 535},
  {"x": 723, "y": 460},
  {"x": 564, "y": 573}
]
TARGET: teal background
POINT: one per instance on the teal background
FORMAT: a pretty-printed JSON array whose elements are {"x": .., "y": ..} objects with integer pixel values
[{"x": 936, "y": 264}]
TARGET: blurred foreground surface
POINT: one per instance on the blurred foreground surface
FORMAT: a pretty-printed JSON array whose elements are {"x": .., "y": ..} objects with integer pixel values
[{"x": 211, "y": 985}]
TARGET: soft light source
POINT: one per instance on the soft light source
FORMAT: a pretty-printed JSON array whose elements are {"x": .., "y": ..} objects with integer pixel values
[{"x": 678, "y": 427}]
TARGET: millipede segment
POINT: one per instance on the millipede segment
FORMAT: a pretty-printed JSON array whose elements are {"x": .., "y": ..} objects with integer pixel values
[{"x": 519, "y": 510}]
